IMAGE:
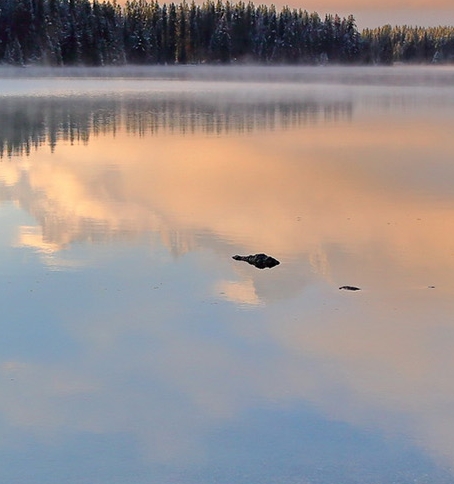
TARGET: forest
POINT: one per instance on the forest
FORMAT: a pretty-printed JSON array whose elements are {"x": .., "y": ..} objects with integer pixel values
[{"x": 94, "y": 33}]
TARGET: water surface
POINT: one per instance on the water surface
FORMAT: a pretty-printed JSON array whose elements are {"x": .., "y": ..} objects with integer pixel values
[{"x": 135, "y": 349}]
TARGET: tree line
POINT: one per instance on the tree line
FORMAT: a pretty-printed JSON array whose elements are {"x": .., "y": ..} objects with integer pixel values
[{"x": 95, "y": 33}]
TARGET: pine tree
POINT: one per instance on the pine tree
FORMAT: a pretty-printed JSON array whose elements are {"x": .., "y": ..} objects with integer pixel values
[
  {"x": 182, "y": 35},
  {"x": 220, "y": 45},
  {"x": 171, "y": 34}
]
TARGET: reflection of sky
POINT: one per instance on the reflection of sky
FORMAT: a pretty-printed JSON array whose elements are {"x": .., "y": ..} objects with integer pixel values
[{"x": 133, "y": 345}]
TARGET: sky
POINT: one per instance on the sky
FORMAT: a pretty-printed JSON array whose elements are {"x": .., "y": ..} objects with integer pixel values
[{"x": 374, "y": 13}]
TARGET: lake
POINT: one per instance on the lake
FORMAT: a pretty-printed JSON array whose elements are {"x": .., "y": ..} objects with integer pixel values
[{"x": 134, "y": 349}]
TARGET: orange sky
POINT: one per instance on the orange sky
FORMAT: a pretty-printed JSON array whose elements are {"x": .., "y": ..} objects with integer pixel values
[
  {"x": 412, "y": 12},
  {"x": 374, "y": 13}
]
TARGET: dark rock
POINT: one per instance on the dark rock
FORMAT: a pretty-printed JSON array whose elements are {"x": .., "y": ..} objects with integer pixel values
[
  {"x": 261, "y": 261},
  {"x": 350, "y": 288}
]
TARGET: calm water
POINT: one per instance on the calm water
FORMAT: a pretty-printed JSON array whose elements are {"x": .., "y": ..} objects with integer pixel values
[{"x": 135, "y": 350}]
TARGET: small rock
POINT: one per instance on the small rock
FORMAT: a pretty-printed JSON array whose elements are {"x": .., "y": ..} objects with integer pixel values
[
  {"x": 350, "y": 288},
  {"x": 261, "y": 261}
]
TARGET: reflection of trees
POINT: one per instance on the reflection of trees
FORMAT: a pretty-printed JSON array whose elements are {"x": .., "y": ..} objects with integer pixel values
[{"x": 30, "y": 123}]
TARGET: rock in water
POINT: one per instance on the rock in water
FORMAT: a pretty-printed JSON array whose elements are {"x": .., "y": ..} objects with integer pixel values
[
  {"x": 261, "y": 261},
  {"x": 350, "y": 288}
]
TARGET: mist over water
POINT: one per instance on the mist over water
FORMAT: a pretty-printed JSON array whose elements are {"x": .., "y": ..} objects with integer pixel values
[
  {"x": 135, "y": 348},
  {"x": 389, "y": 75}
]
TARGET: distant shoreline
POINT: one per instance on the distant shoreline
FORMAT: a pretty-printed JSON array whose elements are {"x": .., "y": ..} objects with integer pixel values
[{"x": 94, "y": 33}]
